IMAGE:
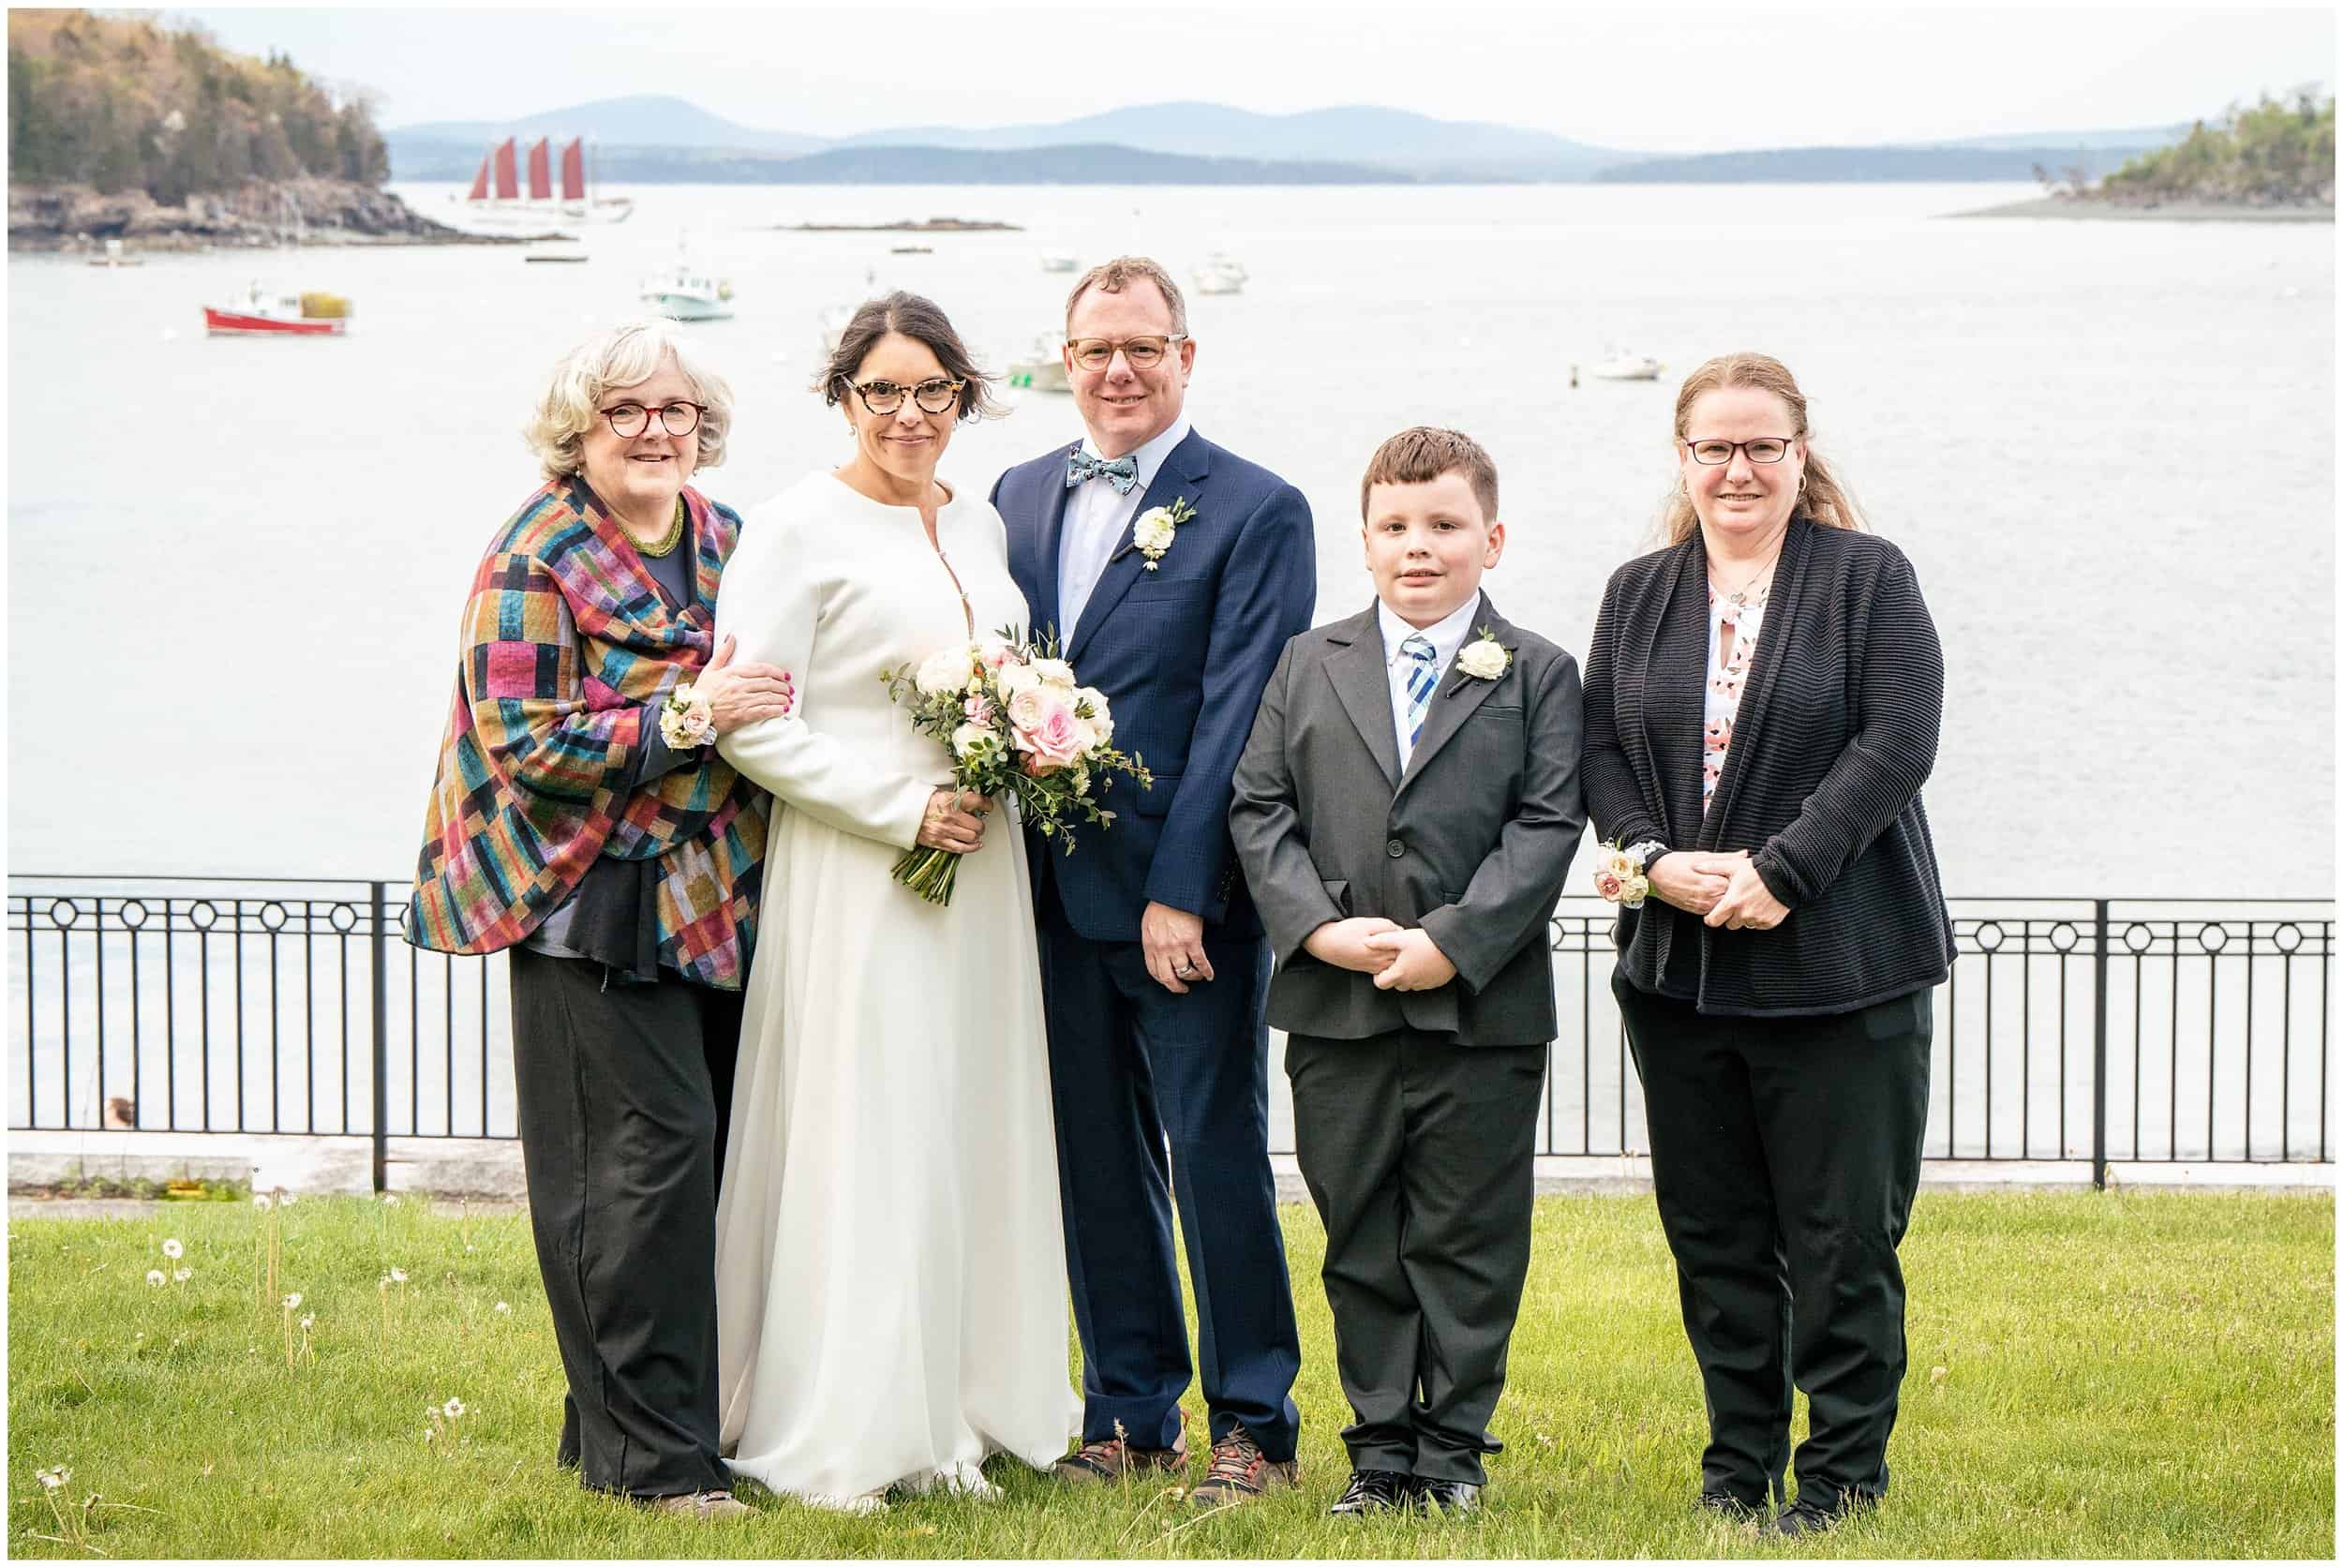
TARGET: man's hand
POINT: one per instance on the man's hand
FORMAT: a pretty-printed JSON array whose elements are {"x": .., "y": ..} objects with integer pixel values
[
  {"x": 1173, "y": 941},
  {"x": 1416, "y": 961},
  {"x": 1343, "y": 943}
]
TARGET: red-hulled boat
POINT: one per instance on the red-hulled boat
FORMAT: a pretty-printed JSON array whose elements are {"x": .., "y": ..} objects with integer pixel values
[{"x": 261, "y": 314}]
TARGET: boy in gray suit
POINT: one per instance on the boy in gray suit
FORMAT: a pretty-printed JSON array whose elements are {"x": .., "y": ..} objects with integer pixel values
[{"x": 1405, "y": 811}]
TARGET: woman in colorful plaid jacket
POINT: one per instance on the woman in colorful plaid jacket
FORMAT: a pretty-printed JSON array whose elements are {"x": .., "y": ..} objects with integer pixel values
[{"x": 583, "y": 821}]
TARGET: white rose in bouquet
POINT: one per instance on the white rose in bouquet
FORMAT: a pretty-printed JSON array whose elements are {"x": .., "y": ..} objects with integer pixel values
[
  {"x": 1055, "y": 672},
  {"x": 947, "y": 669}
]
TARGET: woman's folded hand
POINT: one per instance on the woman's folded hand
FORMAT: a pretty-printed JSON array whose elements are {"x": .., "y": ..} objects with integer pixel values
[{"x": 744, "y": 694}]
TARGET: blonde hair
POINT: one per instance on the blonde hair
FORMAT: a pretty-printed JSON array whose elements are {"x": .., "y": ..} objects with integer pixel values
[
  {"x": 1421, "y": 454},
  {"x": 622, "y": 355},
  {"x": 1113, "y": 277},
  {"x": 1823, "y": 501}
]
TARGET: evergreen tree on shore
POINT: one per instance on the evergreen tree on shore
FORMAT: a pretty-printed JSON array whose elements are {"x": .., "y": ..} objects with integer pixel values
[
  {"x": 2279, "y": 152},
  {"x": 121, "y": 104}
]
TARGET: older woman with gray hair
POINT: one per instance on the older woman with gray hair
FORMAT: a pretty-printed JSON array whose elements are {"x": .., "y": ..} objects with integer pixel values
[{"x": 583, "y": 821}]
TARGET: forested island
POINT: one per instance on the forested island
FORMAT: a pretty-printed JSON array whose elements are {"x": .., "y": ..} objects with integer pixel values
[
  {"x": 119, "y": 129},
  {"x": 2275, "y": 159}
]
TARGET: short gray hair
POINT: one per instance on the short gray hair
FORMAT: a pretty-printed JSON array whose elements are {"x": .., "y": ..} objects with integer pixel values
[
  {"x": 1113, "y": 277},
  {"x": 622, "y": 355}
]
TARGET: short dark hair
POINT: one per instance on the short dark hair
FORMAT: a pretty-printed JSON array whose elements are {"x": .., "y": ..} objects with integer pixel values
[
  {"x": 1421, "y": 454},
  {"x": 914, "y": 316}
]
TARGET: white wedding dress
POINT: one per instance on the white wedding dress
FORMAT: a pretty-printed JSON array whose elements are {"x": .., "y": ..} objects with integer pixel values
[{"x": 890, "y": 1272}]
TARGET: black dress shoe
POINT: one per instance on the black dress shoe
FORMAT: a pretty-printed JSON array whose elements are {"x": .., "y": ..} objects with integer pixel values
[
  {"x": 1814, "y": 1518},
  {"x": 1730, "y": 1508},
  {"x": 1449, "y": 1497},
  {"x": 1377, "y": 1491}
]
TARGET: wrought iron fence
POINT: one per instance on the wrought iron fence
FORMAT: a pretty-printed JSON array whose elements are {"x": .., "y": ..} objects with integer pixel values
[{"x": 2102, "y": 1029}]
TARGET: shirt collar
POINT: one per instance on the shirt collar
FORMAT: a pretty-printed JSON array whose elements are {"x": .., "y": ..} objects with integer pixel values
[
  {"x": 1447, "y": 634},
  {"x": 1150, "y": 456}
]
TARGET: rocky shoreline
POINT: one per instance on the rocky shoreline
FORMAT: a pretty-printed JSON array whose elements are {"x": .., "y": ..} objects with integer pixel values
[
  {"x": 311, "y": 212},
  {"x": 2090, "y": 209}
]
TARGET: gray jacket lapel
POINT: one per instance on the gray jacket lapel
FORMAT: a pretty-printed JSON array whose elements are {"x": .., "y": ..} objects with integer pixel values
[
  {"x": 1362, "y": 680},
  {"x": 1185, "y": 465},
  {"x": 1459, "y": 693}
]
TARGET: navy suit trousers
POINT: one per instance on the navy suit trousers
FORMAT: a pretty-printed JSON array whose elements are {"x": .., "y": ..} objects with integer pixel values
[{"x": 1162, "y": 1098}]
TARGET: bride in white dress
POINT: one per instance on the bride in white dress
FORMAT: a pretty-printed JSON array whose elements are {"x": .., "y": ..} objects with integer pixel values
[{"x": 890, "y": 1272}]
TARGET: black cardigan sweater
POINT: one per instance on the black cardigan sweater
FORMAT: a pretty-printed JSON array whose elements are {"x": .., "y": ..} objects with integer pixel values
[{"x": 1836, "y": 732}]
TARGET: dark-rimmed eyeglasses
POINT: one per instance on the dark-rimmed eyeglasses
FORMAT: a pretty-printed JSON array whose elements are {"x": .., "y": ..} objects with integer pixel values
[
  {"x": 627, "y": 420},
  {"x": 936, "y": 395},
  {"x": 1765, "y": 449},
  {"x": 1141, "y": 353}
]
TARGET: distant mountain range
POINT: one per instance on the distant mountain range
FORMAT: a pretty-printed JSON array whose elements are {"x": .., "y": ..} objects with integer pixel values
[{"x": 655, "y": 140}]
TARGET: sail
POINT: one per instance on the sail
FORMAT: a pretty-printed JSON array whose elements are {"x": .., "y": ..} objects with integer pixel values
[
  {"x": 573, "y": 170},
  {"x": 540, "y": 172},
  {"x": 480, "y": 182},
  {"x": 508, "y": 187}
]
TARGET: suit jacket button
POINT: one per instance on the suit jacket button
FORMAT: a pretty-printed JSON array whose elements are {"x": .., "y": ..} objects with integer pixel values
[{"x": 1394, "y": 849}]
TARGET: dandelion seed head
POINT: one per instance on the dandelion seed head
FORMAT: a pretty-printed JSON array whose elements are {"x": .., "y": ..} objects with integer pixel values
[
  {"x": 284, "y": 1199},
  {"x": 182, "y": 1274},
  {"x": 453, "y": 1409},
  {"x": 428, "y": 1433},
  {"x": 53, "y": 1479},
  {"x": 292, "y": 1301},
  {"x": 172, "y": 1248},
  {"x": 506, "y": 1308},
  {"x": 389, "y": 1199},
  {"x": 306, "y": 1319},
  {"x": 154, "y": 1277},
  {"x": 398, "y": 1276},
  {"x": 260, "y": 1202}
]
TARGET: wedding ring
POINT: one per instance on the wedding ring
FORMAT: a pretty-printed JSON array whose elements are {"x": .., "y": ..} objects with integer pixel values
[{"x": 1184, "y": 971}]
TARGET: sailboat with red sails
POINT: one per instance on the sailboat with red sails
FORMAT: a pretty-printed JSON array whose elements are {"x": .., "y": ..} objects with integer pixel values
[{"x": 495, "y": 197}]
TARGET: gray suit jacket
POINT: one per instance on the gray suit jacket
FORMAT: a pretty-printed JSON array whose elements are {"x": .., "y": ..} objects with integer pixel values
[{"x": 1471, "y": 843}]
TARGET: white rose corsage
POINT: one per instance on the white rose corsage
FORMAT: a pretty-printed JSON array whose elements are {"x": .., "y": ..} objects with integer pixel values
[
  {"x": 1158, "y": 527},
  {"x": 1485, "y": 658},
  {"x": 1618, "y": 873},
  {"x": 686, "y": 719}
]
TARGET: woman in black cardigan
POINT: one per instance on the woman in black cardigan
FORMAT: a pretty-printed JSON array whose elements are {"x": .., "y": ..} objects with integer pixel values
[{"x": 1762, "y": 706}]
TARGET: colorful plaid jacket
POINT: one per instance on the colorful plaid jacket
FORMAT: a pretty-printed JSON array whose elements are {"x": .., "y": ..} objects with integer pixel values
[{"x": 568, "y": 650}]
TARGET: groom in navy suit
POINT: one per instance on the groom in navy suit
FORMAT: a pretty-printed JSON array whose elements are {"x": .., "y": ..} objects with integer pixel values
[{"x": 1154, "y": 971}]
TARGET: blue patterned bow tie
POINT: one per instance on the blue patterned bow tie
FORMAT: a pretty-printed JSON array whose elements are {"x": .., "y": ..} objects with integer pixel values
[{"x": 1121, "y": 472}]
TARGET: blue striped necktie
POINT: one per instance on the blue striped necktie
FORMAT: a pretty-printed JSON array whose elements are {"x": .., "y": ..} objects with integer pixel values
[{"x": 1422, "y": 677}]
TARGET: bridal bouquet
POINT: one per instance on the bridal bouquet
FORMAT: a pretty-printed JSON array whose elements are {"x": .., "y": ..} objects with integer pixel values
[{"x": 1016, "y": 725}]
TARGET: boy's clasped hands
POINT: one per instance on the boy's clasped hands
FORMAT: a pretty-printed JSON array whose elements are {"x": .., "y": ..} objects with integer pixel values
[{"x": 1400, "y": 960}]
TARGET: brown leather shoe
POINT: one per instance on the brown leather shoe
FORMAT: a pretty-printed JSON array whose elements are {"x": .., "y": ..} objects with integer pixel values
[
  {"x": 703, "y": 1506},
  {"x": 1111, "y": 1458},
  {"x": 1240, "y": 1472}
]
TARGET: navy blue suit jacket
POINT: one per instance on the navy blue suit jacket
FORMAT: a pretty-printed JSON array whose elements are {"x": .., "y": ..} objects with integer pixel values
[{"x": 1182, "y": 654}]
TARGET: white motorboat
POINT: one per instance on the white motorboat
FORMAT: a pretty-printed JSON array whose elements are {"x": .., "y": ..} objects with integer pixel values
[
  {"x": 1042, "y": 371},
  {"x": 1626, "y": 367},
  {"x": 689, "y": 293},
  {"x": 834, "y": 321},
  {"x": 1059, "y": 260},
  {"x": 1218, "y": 273}
]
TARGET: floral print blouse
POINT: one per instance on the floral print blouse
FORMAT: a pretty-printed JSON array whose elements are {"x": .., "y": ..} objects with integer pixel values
[{"x": 1728, "y": 672}]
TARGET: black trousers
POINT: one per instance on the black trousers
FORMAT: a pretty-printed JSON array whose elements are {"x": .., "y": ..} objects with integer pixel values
[
  {"x": 1418, "y": 1155},
  {"x": 623, "y": 1094},
  {"x": 1785, "y": 1155}
]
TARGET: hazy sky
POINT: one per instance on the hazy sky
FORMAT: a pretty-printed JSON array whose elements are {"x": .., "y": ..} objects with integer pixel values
[{"x": 1651, "y": 78}]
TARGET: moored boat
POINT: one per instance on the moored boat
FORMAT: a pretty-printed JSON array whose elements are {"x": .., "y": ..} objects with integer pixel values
[
  {"x": 495, "y": 197},
  {"x": 1058, "y": 261},
  {"x": 688, "y": 291},
  {"x": 1220, "y": 274},
  {"x": 1618, "y": 367},
  {"x": 1042, "y": 371},
  {"x": 263, "y": 314}
]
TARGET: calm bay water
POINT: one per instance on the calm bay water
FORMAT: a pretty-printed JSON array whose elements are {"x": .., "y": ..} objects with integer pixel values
[{"x": 236, "y": 565}]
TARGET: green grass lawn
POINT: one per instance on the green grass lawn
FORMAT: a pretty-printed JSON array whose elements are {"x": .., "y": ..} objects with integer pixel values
[{"x": 2110, "y": 1375}]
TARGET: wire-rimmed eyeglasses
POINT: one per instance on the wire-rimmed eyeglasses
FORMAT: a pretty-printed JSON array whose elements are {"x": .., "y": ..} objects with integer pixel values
[
  {"x": 936, "y": 395},
  {"x": 627, "y": 420},
  {"x": 1765, "y": 449}
]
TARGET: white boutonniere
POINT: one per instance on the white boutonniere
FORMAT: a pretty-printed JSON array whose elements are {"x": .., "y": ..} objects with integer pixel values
[
  {"x": 1158, "y": 527},
  {"x": 686, "y": 719},
  {"x": 1485, "y": 658}
]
